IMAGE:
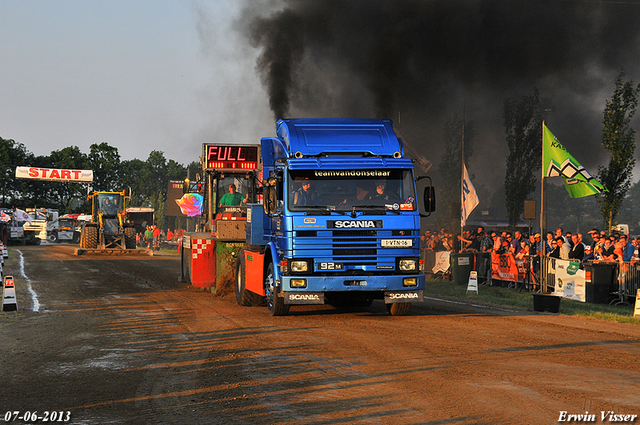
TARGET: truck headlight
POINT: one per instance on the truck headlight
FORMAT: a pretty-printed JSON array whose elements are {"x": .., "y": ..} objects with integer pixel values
[
  {"x": 298, "y": 266},
  {"x": 408, "y": 264}
]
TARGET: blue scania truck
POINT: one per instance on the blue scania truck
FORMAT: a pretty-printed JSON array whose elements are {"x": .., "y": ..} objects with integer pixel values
[{"x": 339, "y": 222}]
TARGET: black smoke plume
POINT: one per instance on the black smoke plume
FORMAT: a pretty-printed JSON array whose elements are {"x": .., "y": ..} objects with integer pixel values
[{"x": 415, "y": 61}]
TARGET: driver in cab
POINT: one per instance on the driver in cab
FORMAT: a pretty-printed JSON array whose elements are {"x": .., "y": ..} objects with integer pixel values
[
  {"x": 109, "y": 207},
  {"x": 304, "y": 195},
  {"x": 232, "y": 198},
  {"x": 379, "y": 193}
]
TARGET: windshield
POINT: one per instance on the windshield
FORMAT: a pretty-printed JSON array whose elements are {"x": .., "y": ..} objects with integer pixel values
[
  {"x": 342, "y": 190},
  {"x": 232, "y": 191},
  {"x": 109, "y": 204}
]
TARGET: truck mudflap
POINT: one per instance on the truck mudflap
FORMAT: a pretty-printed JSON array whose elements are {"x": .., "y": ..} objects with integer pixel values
[
  {"x": 391, "y": 297},
  {"x": 303, "y": 297}
]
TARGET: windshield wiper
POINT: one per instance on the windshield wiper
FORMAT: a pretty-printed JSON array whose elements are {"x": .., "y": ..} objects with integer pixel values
[
  {"x": 371, "y": 209},
  {"x": 323, "y": 208},
  {"x": 377, "y": 207},
  {"x": 371, "y": 206}
]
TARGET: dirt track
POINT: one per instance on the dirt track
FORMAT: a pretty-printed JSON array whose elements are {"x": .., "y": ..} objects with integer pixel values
[{"x": 121, "y": 341}]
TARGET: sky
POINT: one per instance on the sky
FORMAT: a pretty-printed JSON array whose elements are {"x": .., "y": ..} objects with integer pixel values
[
  {"x": 170, "y": 75},
  {"x": 143, "y": 75}
]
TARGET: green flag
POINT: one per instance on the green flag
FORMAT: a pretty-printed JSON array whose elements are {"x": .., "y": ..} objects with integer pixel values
[{"x": 558, "y": 162}]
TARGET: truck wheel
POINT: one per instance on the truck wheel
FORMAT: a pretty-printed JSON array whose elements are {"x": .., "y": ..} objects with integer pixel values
[
  {"x": 53, "y": 237},
  {"x": 130, "y": 237},
  {"x": 76, "y": 237},
  {"x": 90, "y": 237},
  {"x": 398, "y": 309},
  {"x": 275, "y": 304},
  {"x": 240, "y": 290}
]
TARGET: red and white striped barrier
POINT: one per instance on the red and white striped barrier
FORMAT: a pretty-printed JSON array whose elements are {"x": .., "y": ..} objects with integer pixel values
[{"x": 9, "y": 302}]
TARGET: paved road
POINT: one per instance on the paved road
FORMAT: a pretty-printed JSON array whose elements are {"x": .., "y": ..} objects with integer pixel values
[{"x": 118, "y": 340}]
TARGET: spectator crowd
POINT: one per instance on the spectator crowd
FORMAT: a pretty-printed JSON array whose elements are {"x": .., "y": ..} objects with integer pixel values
[{"x": 599, "y": 246}]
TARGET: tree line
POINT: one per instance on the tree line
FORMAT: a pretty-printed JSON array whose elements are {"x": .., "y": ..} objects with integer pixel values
[{"x": 147, "y": 180}]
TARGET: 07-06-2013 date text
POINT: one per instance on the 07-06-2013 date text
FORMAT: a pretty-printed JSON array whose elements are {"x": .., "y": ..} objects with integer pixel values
[{"x": 46, "y": 416}]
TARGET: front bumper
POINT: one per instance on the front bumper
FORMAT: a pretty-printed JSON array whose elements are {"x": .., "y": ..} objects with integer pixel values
[{"x": 389, "y": 288}]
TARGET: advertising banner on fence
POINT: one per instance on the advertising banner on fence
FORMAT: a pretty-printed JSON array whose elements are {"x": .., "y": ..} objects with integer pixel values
[
  {"x": 504, "y": 267},
  {"x": 570, "y": 281},
  {"x": 442, "y": 262},
  {"x": 54, "y": 174}
]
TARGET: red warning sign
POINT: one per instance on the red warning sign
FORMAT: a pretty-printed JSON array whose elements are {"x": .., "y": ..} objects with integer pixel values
[{"x": 8, "y": 282}]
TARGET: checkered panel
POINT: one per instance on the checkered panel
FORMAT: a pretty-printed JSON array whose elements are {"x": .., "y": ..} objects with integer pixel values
[{"x": 198, "y": 246}]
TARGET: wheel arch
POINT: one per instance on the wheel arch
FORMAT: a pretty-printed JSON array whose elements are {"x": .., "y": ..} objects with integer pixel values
[{"x": 271, "y": 255}]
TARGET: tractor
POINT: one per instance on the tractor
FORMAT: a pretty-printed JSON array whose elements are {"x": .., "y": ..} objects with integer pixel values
[{"x": 108, "y": 228}]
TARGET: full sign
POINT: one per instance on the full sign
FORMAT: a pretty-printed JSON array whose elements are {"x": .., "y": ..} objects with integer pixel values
[
  {"x": 232, "y": 157},
  {"x": 54, "y": 174}
]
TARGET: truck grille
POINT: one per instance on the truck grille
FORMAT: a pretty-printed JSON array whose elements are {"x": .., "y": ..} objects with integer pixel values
[
  {"x": 355, "y": 242},
  {"x": 355, "y": 233},
  {"x": 354, "y": 251},
  {"x": 357, "y": 249}
]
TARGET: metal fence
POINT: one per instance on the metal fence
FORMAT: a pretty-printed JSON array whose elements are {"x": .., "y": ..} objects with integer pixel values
[
  {"x": 626, "y": 279},
  {"x": 628, "y": 276},
  {"x": 624, "y": 287}
]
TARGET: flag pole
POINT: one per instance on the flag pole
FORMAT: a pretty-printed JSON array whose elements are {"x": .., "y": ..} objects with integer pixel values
[
  {"x": 543, "y": 277},
  {"x": 462, "y": 175}
]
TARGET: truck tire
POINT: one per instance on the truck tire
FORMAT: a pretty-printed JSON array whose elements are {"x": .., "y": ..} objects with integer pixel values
[
  {"x": 398, "y": 309},
  {"x": 76, "y": 237},
  {"x": 244, "y": 297},
  {"x": 90, "y": 237},
  {"x": 130, "y": 237},
  {"x": 53, "y": 237},
  {"x": 275, "y": 304}
]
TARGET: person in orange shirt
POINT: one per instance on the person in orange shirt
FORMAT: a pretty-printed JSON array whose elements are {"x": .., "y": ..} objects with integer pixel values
[
  {"x": 169, "y": 234},
  {"x": 156, "y": 237}
]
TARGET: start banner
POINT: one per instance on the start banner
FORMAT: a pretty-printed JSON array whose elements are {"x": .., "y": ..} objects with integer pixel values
[{"x": 54, "y": 174}]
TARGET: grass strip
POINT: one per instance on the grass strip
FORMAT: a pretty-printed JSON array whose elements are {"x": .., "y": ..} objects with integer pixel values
[{"x": 523, "y": 300}]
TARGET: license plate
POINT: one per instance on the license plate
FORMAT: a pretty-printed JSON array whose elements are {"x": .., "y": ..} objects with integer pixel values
[{"x": 395, "y": 243}]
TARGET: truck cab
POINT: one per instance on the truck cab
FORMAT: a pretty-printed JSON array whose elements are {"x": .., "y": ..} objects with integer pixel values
[{"x": 340, "y": 222}]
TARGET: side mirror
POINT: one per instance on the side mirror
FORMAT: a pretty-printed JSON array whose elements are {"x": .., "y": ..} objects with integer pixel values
[
  {"x": 270, "y": 200},
  {"x": 429, "y": 199}
]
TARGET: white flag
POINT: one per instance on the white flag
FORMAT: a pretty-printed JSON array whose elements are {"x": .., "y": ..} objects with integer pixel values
[
  {"x": 22, "y": 215},
  {"x": 469, "y": 196}
]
